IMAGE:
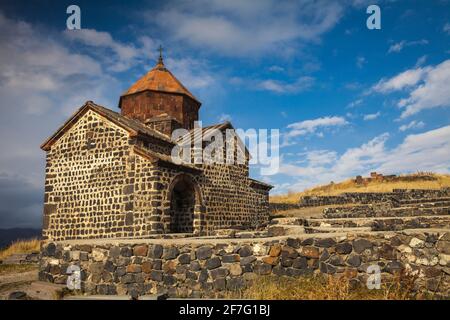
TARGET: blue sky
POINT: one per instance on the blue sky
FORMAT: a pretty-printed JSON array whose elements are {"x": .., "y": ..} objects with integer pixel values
[{"x": 347, "y": 100}]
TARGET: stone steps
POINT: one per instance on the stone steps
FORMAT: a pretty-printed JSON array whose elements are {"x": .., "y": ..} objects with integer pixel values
[
  {"x": 336, "y": 229},
  {"x": 365, "y": 222},
  {"x": 422, "y": 201},
  {"x": 442, "y": 204},
  {"x": 394, "y": 212}
]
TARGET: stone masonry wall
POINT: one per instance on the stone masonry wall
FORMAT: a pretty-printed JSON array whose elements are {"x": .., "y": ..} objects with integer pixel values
[
  {"x": 89, "y": 182},
  {"x": 208, "y": 267}
]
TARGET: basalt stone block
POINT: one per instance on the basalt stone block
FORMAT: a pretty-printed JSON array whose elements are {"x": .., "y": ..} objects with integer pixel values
[
  {"x": 247, "y": 260},
  {"x": 203, "y": 276},
  {"x": 359, "y": 245},
  {"x": 229, "y": 258},
  {"x": 309, "y": 252},
  {"x": 155, "y": 251},
  {"x": 275, "y": 250},
  {"x": 109, "y": 266},
  {"x": 279, "y": 270},
  {"x": 336, "y": 260},
  {"x": 245, "y": 251},
  {"x": 354, "y": 260},
  {"x": 324, "y": 256},
  {"x": 170, "y": 253},
  {"x": 147, "y": 266},
  {"x": 394, "y": 266},
  {"x": 286, "y": 262},
  {"x": 344, "y": 248},
  {"x": 140, "y": 250},
  {"x": 300, "y": 263},
  {"x": 203, "y": 253},
  {"x": 126, "y": 252},
  {"x": 114, "y": 252},
  {"x": 194, "y": 266},
  {"x": 308, "y": 242},
  {"x": 294, "y": 243},
  {"x": 219, "y": 273},
  {"x": 169, "y": 280},
  {"x": 325, "y": 242},
  {"x": 213, "y": 263},
  {"x": 387, "y": 252},
  {"x": 156, "y": 275},
  {"x": 184, "y": 258},
  {"x": 247, "y": 268},
  {"x": 271, "y": 260},
  {"x": 157, "y": 264},
  {"x": 262, "y": 268},
  {"x": 120, "y": 271},
  {"x": 127, "y": 278},
  {"x": 289, "y": 252},
  {"x": 50, "y": 250},
  {"x": 191, "y": 275},
  {"x": 134, "y": 268},
  {"x": 181, "y": 269}
]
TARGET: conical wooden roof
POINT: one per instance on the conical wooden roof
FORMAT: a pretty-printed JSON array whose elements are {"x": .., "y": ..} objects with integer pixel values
[{"x": 160, "y": 79}]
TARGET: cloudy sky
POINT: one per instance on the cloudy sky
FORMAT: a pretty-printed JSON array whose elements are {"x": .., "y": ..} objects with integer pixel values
[{"x": 347, "y": 100}]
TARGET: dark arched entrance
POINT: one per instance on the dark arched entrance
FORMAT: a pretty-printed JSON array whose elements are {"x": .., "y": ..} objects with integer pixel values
[{"x": 182, "y": 205}]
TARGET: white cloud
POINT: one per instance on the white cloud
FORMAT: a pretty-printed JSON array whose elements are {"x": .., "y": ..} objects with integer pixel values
[
  {"x": 428, "y": 88},
  {"x": 276, "y": 68},
  {"x": 239, "y": 28},
  {"x": 371, "y": 116},
  {"x": 446, "y": 28},
  {"x": 412, "y": 155},
  {"x": 310, "y": 126},
  {"x": 355, "y": 103},
  {"x": 301, "y": 84},
  {"x": 403, "y": 80},
  {"x": 432, "y": 93},
  {"x": 412, "y": 125},
  {"x": 421, "y": 61},
  {"x": 360, "y": 61},
  {"x": 399, "y": 46},
  {"x": 123, "y": 55}
]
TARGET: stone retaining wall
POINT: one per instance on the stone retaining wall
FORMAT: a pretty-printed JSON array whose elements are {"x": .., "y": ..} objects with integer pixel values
[
  {"x": 373, "y": 197},
  {"x": 208, "y": 268},
  {"x": 276, "y": 207}
]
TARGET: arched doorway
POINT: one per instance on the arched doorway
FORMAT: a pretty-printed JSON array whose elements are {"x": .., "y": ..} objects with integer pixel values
[{"x": 184, "y": 199}]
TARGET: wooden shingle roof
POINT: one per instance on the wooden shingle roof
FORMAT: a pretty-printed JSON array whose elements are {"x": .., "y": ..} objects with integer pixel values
[{"x": 159, "y": 79}]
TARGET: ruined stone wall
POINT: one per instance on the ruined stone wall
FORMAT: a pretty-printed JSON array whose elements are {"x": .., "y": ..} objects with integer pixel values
[
  {"x": 89, "y": 182},
  {"x": 372, "y": 197},
  {"x": 208, "y": 267}
]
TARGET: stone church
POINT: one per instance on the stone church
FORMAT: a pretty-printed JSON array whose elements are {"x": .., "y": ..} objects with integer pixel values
[{"x": 111, "y": 175}]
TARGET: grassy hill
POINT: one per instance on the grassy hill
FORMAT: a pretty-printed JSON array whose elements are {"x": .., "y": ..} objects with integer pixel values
[{"x": 407, "y": 181}]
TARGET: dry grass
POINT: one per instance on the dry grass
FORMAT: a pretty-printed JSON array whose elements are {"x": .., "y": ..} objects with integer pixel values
[
  {"x": 16, "y": 268},
  {"x": 21, "y": 246},
  {"x": 441, "y": 180},
  {"x": 325, "y": 288}
]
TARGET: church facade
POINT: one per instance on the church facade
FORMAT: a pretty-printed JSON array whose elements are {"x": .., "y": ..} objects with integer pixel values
[{"x": 111, "y": 175}]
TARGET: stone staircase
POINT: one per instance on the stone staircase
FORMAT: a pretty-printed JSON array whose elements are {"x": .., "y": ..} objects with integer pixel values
[{"x": 403, "y": 212}]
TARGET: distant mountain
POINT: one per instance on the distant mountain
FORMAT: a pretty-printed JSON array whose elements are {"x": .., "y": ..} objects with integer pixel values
[{"x": 9, "y": 235}]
